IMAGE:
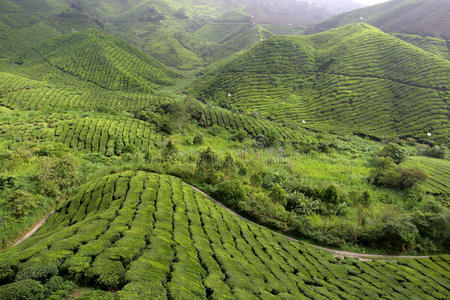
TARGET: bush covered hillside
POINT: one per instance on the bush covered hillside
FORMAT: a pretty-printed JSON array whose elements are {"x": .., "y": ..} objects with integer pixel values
[
  {"x": 182, "y": 150},
  {"x": 329, "y": 80},
  {"x": 420, "y": 17},
  {"x": 149, "y": 236}
]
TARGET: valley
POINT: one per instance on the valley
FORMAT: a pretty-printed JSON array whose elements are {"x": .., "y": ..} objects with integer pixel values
[{"x": 224, "y": 150}]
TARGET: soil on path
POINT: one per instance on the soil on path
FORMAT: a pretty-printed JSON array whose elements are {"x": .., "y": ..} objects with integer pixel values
[
  {"x": 34, "y": 229},
  {"x": 336, "y": 253}
]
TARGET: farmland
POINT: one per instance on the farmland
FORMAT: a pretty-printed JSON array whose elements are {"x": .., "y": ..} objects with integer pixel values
[
  {"x": 438, "y": 172},
  {"x": 181, "y": 150},
  {"x": 138, "y": 232},
  {"x": 317, "y": 79}
]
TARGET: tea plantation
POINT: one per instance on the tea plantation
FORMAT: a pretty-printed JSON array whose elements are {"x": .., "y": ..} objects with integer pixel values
[
  {"x": 146, "y": 235},
  {"x": 351, "y": 79},
  {"x": 181, "y": 150}
]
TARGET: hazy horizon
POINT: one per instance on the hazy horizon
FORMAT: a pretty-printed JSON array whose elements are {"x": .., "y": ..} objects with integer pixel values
[{"x": 371, "y": 2}]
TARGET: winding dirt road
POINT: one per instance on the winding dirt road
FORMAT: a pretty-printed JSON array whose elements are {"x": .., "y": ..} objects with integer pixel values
[
  {"x": 336, "y": 253},
  {"x": 34, "y": 229}
]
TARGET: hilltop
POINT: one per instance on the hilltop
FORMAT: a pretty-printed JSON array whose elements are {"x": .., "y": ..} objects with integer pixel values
[
  {"x": 144, "y": 234},
  {"x": 105, "y": 61},
  {"x": 330, "y": 80},
  {"x": 420, "y": 17}
]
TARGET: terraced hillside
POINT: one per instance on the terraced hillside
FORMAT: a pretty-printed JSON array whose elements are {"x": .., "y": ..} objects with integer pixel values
[
  {"x": 108, "y": 136},
  {"x": 421, "y": 17},
  {"x": 20, "y": 92},
  {"x": 437, "y": 170},
  {"x": 105, "y": 135},
  {"x": 106, "y": 61},
  {"x": 143, "y": 234},
  {"x": 355, "y": 78},
  {"x": 433, "y": 45},
  {"x": 258, "y": 128}
]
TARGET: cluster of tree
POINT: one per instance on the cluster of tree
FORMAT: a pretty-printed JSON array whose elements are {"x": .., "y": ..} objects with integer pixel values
[{"x": 387, "y": 172}]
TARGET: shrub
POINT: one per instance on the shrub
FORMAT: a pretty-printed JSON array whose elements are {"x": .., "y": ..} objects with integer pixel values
[
  {"x": 394, "y": 151},
  {"x": 278, "y": 194},
  {"x": 97, "y": 295},
  {"x": 436, "y": 152},
  {"x": 198, "y": 139},
  {"x": 56, "y": 173},
  {"x": 229, "y": 192},
  {"x": 21, "y": 203},
  {"x": 256, "y": 179},
  {"x": 208, "y": 159},
  {"x": 169, "y": 149},
  {"x": 59, "y": 287},
  {"x": 239, "y": 135},
  {"x": 23, "y": 290},
  {"x": 398, "y": 177}
]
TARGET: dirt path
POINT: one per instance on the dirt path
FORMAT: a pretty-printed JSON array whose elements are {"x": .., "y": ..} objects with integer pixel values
[
  {"x": 33, "y": 230},
  {"x": 336, "y": 253}
]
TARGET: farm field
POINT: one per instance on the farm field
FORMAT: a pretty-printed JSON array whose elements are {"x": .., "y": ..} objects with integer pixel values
[
  {"x": 438, "y": 172},
  {"x": 188, "y": 150},
  {"x": 318, "y": 83},
  {"x": 138, "y": 232}
]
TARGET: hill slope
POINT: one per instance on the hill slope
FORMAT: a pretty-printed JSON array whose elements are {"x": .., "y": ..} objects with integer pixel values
[
  {"x": 421, "y": 17},
  {"x": 105, "y": 60},
  {"x": 354, "y": 78},
  {"x": 154, "y": 236}
]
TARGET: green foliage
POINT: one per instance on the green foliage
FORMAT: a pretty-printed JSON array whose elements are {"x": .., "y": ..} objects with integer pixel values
[
  {"x": 394, "y": 151},
  {"x": 278, "y": 194},
  {"x": 56, "y": 173},
  {"x": 230, "y": 193},
  {"x": 398, "y": 177},
  {"x": 198, "y": 139},
  {"x": 208, "y": 160},
  {"x": 21, "y": 203},
  {"x": 23, "y": 290},
  {"x": 322, "y": 82},
  {"x": 149, "y": 235}
]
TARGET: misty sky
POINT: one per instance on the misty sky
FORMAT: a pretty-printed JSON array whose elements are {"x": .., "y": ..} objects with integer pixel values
[{"x": 371, "y": 2}]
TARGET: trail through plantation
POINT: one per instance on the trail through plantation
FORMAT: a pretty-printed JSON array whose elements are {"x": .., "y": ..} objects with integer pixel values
[
  {"x": 336, "y": 253},
  {"x": 34, "y": 229}
]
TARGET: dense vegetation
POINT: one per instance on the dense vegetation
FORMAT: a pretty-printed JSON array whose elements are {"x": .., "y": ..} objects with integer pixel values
[
  {"x": 329, "y": 80},
  {"x": 145, "y": 235},
  {"x": 338, "y": 139}
]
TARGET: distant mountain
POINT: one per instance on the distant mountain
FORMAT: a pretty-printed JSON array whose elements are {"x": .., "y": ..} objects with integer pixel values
[
  {"x": 296, "y": 12},
  {"x": 421, "y": 17},
  {"x": 352, "y": 79}
]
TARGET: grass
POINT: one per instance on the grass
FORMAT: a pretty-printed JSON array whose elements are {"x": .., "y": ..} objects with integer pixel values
[{"x": 152, "y": 234}]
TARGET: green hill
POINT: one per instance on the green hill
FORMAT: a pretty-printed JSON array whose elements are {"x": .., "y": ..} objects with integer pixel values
[
  {"x": 20, "y": 92},
  {"x": 434, "y": 45},
  {"x": 437, "y": 170},
  {"x": 420, "y": 17},
  {"x": 106, "y": 61},
  {"x": 144, "y": 235},
  {"x": 355, "y": 78}
]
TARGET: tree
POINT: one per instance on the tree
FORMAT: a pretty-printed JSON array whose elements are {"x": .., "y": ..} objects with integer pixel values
[
  {"x": 330, "y": 204},
  {"x": 395, "y": 151},
  {"x": 169, "y": 149},
  {"x": 229, "y": 192},
  {"x": 278, "y": 194},
  {"x": 198, "y": 139},
  {"x": 362, "y": 203},
  {"x": 208, "y": 160}
]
